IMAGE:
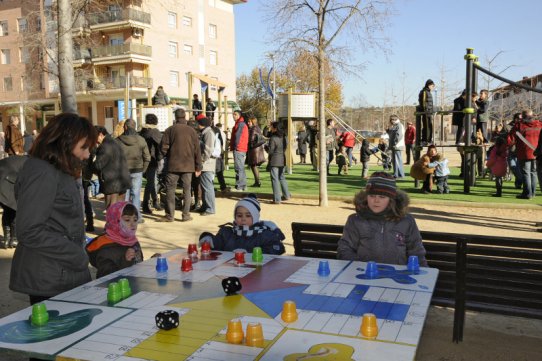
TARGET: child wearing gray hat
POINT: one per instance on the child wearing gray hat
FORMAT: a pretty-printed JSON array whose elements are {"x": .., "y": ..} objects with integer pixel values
[{"x": 381, "y": 230}]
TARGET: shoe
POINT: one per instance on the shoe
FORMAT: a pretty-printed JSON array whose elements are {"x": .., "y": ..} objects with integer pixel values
[
  {"x": 195, "y": 207},
  {"x": 523, "y": 196},
  {"x": 257, "y": 184},
  {"x": 496, "y": 195},
  {"x": 187, "y": 219},
  {"x": 165, "y": 219},
  {"x": 146, "y": 211},
  {"x": 225, "y": 189},
  {"x": 206, "y": 214},
  {"x": 426, "y": 192},
  {"x": 237, "y": 190},
  {"x": 157, "y": 206}
]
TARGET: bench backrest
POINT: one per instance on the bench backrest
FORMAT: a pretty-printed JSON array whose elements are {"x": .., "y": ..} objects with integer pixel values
[{"x": 492, "y": 274}]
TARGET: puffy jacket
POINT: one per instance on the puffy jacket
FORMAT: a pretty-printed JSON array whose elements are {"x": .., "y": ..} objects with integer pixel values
[
  {"x": 348, "y": 139},
  {"x": 410, "y": 135},
  {"x": 397, "y": 138},
  {"x": 530, "y": 130},
  {"x": 180, "y": 144},
  {"x": 276, "y": 148},
  {"x": 153, "y": 137},
  {"x": 136, "y": 151},
  {"x": 207, "y": 146},
  {"x": 498, "y": 160},
  {"x": 108, "y": 256},
  {"x": 269, "y": 238},
  {"x": 239, "y": 136},
  {"x": 111, "y": 166},
  {"x": 425, "y": 100},
  {"x": 50, "y": 258},
  {"x": 459, "y": 104},
  {"x": 420, "y": 169}
]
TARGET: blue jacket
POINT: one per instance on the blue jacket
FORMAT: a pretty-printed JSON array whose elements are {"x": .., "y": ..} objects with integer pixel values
[{"x": 262, "y": 234}]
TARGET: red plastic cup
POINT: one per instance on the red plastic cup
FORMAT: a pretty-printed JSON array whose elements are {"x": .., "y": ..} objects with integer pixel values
[
  {"x": 192, "y": 250},
  {"x": 240, "y": 257},
  {"x": 205, "y": 248},
  {"x": 186, "y": 265}
]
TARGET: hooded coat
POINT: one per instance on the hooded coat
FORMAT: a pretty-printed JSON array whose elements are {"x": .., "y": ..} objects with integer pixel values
[{"x": 111, "y": 166}]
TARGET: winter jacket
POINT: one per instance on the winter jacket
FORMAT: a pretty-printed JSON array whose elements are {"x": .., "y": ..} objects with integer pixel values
[
  {"x": 302, "y": 140},
  {"x": 256, "y": 142},
  {"x": 425, "y": 101},
  {"x": 14, "y": 141},
  {"x": 482, "y": 115},
  {"x": 9, "y": 169},
  {"x": 331, "y": 139},
  {"x": 365, "y": 151},
  {"x": 136, "y": 151},
  {"x": 108, "y": 256},
  {"x": 497, "y": 160},
  {"x": 180, "y": 144},
  {"x": 441, "y": 168},
  {"x": 420, "y": 169},
  {"x": 396, "y": 133},
  {"x": 263, "y": 234},
  {"x": 410, "y": 135},
  {"x": 276, "y": 148},
  {"x": 348, "y": 139},
  {"x": 239, "y": 136},
  {"x": 459, "y": 104},
  {"x": 160, "y": 98},
  {"x": 381, "y": 240},
  {"x": 530, "y": 129},
  {"x": 112, "y": 168},
  {"x": 50, "y": 258},
  {"x": 207, "y": 145},
  {"x": 153, "y": 137}
]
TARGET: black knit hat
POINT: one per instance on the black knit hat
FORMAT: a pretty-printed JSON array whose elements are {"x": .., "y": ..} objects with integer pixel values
[
  {"x": 204, "y": 122},
  {"x": 381, "y": 183}
]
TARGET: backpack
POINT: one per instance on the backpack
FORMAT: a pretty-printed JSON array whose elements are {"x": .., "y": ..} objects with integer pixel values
[{"x": 217, "y": 149}]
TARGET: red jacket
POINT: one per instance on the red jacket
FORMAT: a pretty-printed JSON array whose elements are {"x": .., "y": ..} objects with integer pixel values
[
  {"x": 410, "y": 135},
  {"x": 348, "y": 139},
  {"x": 239, "y": 136},
  {"x": 530, "y": 130}
]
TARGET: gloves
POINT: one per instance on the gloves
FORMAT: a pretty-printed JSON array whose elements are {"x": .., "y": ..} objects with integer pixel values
[{"x": 206, "y": 237}]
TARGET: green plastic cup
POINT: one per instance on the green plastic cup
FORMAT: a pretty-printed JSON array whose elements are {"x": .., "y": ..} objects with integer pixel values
[
  {"x": 114, "y": 294},
  {"x": 125, "y": 289},
  {"x": 40, "y": 316},
  {"x": 257, "y": 255}
]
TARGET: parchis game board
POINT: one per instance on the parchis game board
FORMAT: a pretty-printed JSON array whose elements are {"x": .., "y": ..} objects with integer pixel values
[{"x": 83, "y": 325}]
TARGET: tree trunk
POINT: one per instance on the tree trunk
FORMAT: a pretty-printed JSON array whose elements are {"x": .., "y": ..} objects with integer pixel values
[
  {"x": 322, "y": 128},
  {"x": 65, "y": 57}
]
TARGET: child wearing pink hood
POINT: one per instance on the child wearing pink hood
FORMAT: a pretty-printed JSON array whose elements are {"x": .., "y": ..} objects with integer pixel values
[{"x": 118, "y": 248}]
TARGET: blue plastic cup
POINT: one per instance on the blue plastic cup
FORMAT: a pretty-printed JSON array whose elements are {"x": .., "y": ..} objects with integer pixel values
[
  {"x": 413, "y": 264},
  {"x": 323, "y": 269},
  {"x": 161, "y": 264},
  {"x": 372, "y": 270}
]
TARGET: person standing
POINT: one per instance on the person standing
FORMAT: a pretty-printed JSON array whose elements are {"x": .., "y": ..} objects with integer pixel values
[
  {"x": 239, "y": 147},
  {"x": 210, "y": 108},
  {"x": 138, "y": 158},
  {"x": 313, "y": 141},
  {"x": 180, "y": 145},
  {"x": 425, "y": 106},
  {"x": 50, "y": 258},
  {"x": 410, "y": 139},
  {"x": 14, "y": 141},
  {"x": 349, "y": 141},
  {"x": 208, "y": 167},
  {"x": 302, "y": 140},
  {"x": 196, "y": 106},
  {"x": 397, "y": 145},
  {"x": 9, "y": 169},
  {"x": 152, "y": 137},
  {"x": 331, "y": 142},
  {"x": 160, "y": 97},
  {"x": 256, "y": 154},
  {"x": 277, "y": 161},
  {"x": 526, "y": 135},
  {"x": 219, "y": 170},
  {"x": 112, "y": 169},
  {"x": 482, "y": 113}
]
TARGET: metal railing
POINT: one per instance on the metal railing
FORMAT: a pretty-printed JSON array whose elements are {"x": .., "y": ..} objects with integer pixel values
[
  {"x": 88, "y": 83},
  {"x": 119, "y": 15},
  {"x": 122, "y": 49}
]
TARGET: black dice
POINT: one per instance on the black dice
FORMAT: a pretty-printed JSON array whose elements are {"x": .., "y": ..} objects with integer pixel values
[
  {"x": 166, "y": 320},
  {"x": 231, "y": 285}
]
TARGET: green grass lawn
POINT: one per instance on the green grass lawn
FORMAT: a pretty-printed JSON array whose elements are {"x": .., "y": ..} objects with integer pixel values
[{"x": 304, "y": 181}]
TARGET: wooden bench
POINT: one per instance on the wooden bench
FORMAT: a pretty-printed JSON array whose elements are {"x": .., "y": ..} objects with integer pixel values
[{"x": 488, "y": 274}]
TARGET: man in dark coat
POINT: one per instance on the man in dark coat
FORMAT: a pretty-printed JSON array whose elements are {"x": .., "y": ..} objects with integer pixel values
[
  {"x": 112, "y": 169},
  {"x": 196, "y": 105},
  {"x": 425, "y": 100},
  {"x": 9, "y": 168},
  {"x": 153, "y": 137},
  {"x": 180, "y": 145},
  {"x": 458, "y": 116}
]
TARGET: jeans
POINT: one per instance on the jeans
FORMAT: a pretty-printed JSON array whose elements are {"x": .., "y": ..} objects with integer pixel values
[
  {"x": 329, "y": 158},
  {"x": 442, "y": 184},
  {"x": 409, "y": 152},
  {"x": 398, "y": 164},
  {"x": 171, "y": 185},
  {"x": 278, "y": 183},
  {"x": 314, "y": 158},
  {"x": 239, "y": 166},
  {"x": 134, "y": 193},
  {"x": 349, "y": 154},
  {"x": 365, "y": 169},
  {"x": 94, "y": 187},
  {"x": 514, "y": 168},
  {"x": 206, "y": 182},
  {"x": 528, "y": 170}
]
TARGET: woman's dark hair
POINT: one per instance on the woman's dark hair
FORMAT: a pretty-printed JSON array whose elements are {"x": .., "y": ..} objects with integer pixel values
[
  {"x": 328, "y": 122},
  {"x": 278, "y": 128},
  {"x": 101, "y": 130},
  {"x": 151, "y": 119},
  {"x": 130, "y": 210},
  {"x": 57, "y": 140}
]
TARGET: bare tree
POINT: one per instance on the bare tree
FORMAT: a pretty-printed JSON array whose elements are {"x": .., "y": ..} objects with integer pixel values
[{"x": 328, "y": 29}]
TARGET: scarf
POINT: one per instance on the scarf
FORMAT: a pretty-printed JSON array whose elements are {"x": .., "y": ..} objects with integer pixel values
[
  {"x": 116, "y": 229},
  {"x": 249, "y": 231},
  {"x": 366, "y": 213}
]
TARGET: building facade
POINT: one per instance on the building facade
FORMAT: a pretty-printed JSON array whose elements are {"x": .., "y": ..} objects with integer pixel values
[{"x": 123, "y": 50}]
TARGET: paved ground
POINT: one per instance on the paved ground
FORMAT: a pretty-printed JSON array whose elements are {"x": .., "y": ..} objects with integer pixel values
[{"x": 487, "y": 337}]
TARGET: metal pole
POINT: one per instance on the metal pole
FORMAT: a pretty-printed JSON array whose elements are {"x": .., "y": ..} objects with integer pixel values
[
  {"x": 469, "y": 110},
  {"x": 274, "y": 89}
]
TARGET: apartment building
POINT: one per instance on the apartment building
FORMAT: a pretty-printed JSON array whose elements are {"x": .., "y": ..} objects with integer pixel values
[{"x": 123, "y": 50}]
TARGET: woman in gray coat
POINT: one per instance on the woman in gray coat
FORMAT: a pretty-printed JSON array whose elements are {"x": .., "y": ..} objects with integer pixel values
[
  {"x": 51, "y": 258},
  {"x": 277, "y": 160}
]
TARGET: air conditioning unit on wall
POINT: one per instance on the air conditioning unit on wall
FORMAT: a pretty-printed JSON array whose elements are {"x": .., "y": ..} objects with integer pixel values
[{"x": 137, "y": 32}]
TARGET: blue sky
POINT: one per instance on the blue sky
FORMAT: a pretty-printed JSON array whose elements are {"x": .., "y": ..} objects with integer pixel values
[{"x": 428, "y": 40}]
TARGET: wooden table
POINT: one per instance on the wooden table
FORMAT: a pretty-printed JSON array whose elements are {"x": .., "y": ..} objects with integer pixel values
[{"x": 84, "y": 326}]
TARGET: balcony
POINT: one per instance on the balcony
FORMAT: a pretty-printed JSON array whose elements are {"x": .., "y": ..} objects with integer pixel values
[
  {"x": 118, "y": 19},
  {"x": 113, "y": 54},
  {"x": 95, "y": 83}
]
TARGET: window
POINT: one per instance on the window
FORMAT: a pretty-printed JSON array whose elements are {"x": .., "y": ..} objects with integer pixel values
[
  {"x": 174, "y": 79},
  {"x": 212, "y": 31},
  {"x": 5, "y": 56},
  {"x": 38, "y": 24},
  {"x": 172, "y": 49},
  {"x": 187, "y": 21},
  {"x": 187, "y": 49},
  {"x": 8, "y": 84},
  {"x": 109, "y": 112},
  {"x": 23, "y": 25},
  {"x": 172, "y": 20},
  {"x": 24, "y": 55},
  {"x": 213, "y": 57},
  {"x": 4, "y": 28}
]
